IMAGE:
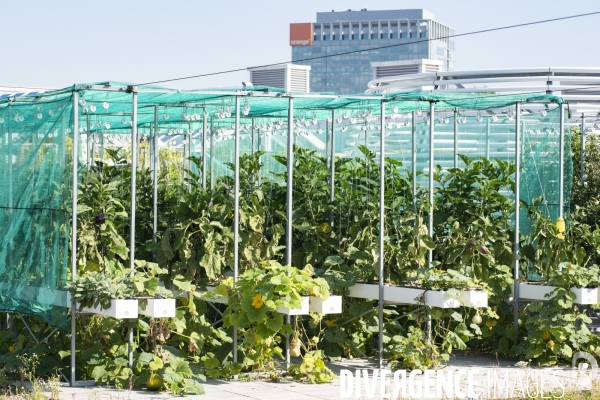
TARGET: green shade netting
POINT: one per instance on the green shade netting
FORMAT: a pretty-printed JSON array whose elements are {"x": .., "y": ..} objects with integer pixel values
[{"x": 36, "y": 136}]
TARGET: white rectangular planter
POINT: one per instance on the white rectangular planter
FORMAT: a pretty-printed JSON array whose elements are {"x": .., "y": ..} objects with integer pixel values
[
  {"x": 158, "y": 308},
  {"x": 529, "y": 291},
  {"x": 122, "y": 308},
  {"x": 391, "y": 294},
  {"x": 333, "y": 305},
  {"x": 474, "y": 298},
  {"x": 440, "y": 299},
  {"x": 586, "y": 295},
  {"x": 303, "y": 310}
]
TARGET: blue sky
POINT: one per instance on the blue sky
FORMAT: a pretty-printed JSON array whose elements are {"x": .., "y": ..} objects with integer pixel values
[{"x": 58, "y": 43}]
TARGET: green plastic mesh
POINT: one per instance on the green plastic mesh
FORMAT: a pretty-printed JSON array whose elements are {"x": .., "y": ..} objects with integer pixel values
[{"x": 37, "y": 135}]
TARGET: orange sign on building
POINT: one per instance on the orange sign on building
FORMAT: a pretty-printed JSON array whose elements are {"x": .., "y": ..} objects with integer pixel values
[{"x": 301, "y": 34}]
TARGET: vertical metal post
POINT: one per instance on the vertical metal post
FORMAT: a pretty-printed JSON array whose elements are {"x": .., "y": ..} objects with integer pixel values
[
  {"x": 9, "y": 317},
  {"x": 414, "y": 160},
  {"x": 155, "y": 154},
  {"x": 134, "y": 146},
  {"x": 212, "y": 153},
  {"x": 74, "y": 228},
  {"x": 431, "y": 172},
  {"x": 517, "y": 216},
  {"x": 455, "y": 138},
  {"x": 289, "y": 209},
  {"x": 487, "y": 139},
  {"x": 236, "y": 209},
  {"x": 258, "y": 146},
  {"x": 252, "y": 137},
  {"x": 204, "y": 115},
  {"x": 88, "y": 144},
  {"x": 332, "y": 166},
  {"x": 381, "y": 229},
  {"x": 582, "y": 172},
  {"x": 561, "y": 162}
]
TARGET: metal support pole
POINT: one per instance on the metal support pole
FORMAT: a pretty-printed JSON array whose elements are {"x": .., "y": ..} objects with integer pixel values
[
  {"x": 332, "y": 166},
  {"x": 414, "y": 161},
  {"x": 134, "y": 160},
  {"x": 431, "y": 171},
  {"x": 289, "y": 209},
  {"x": 487, "y": 139},
  {"x": 212, "y": 153},
  {"x": 517, "y": 211},
  {"x": 88, "y": 144},
  {"x": 455, "y": 138},
  {"x": 236, "y": 209},
  {"x": 74, "y": 229},
  {"x": 561, "y": 163},
  {"x": 155, "y": 179},
  {"x": 258, "y": 146},
  {"x": 204, "y": 148},
  {"x": 582, "y": 172},
  {"x": 381, "y": 229},
  {"x": 252, "y": 137}
]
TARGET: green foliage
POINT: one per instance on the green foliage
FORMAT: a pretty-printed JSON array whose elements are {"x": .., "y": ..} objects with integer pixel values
[{"x": 312, "y": 369}]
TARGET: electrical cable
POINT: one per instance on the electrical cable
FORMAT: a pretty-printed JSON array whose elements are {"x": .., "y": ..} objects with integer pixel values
[{"x": 377, "y": 48}]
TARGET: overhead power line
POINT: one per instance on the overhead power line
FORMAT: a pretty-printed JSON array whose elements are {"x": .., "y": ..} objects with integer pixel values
[{"x": 379, "y": 47}]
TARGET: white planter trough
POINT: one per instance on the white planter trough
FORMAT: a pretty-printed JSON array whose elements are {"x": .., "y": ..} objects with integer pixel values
[
  {"x": 441, "y": 299},
  {"x": 122, "y": 308},
  {"x": 528, "y": 291},
  {"x": 333, "y": 305},
  {"x": 391, "y": 294},
  {"x": 214, "y": 298},
  {"x": 158, "y": 308},
  {"x": 303, "y": 310},
  {"x": 474, "y": 298}
]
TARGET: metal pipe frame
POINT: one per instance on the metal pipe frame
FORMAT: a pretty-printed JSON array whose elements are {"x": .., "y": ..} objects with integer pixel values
[
  {"x": 517, "y": 216},
  {"x": 414, "y": 161},
  {"x": 582, "y": 161},
  {"x": 204, "y": 115},
  {"x": 74, "y": 230},
  {"x": 236, "y": 211},
  {"x": 212, "y": 158},
  {"x": 487, "y": 139},
  {"x": 134, "y": 161},
  {"x": 431, "y": 172},
  {"x": 155, "y": 154},
  {"x": 381, "y": 230},
  {"x": 455, "y": 138},
  {"x": 332, "y": 166},
  {"x": 289, "y": 209},
  {"x": 561, "y": 163},
  {"x": 88, "y": 144}
]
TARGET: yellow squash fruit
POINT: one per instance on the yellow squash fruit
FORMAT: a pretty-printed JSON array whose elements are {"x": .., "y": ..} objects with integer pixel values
[
  {"x": 551, "y": 343},
  {"x": 155, "y": 382},
  {"x": 546, "y": 335},
  {"x": 560, "y": 225}
]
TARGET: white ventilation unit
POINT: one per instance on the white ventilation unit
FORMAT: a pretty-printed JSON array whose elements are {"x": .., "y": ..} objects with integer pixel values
[
  {"x": 394, "y": 68},
  {"x": 289, "y": 77}
]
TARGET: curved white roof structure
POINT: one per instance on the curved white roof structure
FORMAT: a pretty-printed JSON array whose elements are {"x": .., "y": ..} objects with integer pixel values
[{"x": 580, "y": 87}]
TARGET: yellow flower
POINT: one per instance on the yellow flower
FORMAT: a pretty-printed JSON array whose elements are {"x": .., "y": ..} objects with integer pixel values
[
  {"x": 11, "y": 348},
  {"x": 257, "y": 301},
  {"x": 551, "y": 343},
  {"x": 330, "y": 322}
]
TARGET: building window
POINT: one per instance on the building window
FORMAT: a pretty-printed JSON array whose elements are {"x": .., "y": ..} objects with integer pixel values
[
  {"x": 362, "y": 36},
  {"x": 352, "y": 36},
  {"x": 316, "y": 37},
  {"x": 393, "y": 35},
  {"x": 325, "y": 37},
  {"x": 372, "y": 36},
  {"x": 423, "y": 34},
  {"x": 343, "y": 37},
  {"x": 413, "y": 35},
  {"x": 402, "y": 35},
  {"x": 333, "y": 36}
]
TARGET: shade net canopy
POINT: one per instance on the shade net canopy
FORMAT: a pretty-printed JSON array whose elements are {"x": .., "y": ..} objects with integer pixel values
[{"x": 36, "y": 147}]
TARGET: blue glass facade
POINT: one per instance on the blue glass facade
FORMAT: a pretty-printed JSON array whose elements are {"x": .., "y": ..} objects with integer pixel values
[{"x": 348, "y": 31}]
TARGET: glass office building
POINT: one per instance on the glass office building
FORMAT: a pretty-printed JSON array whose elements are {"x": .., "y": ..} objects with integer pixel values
[{"x": 407, "y": 32}]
